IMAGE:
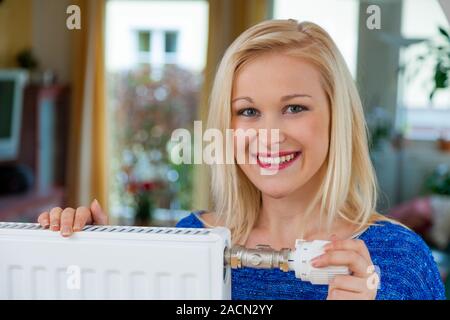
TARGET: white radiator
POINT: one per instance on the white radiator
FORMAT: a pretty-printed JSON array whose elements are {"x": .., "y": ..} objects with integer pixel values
[{"x": 113, "y": 262}]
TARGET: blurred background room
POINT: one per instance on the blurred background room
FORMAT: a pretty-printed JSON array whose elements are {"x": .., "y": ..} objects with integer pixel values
[{"x": 87, "y": 113}]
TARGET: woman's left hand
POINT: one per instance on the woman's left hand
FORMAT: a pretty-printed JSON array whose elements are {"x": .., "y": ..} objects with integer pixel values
[{"x": 362, "y": 283}]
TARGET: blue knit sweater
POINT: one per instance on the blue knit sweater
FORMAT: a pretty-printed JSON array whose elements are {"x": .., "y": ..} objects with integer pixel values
[{"x": 407, "y": 269}]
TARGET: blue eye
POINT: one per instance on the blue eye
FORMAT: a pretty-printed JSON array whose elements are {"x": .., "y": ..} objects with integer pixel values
[
  {"x": 248, "y": 112},
  {"x": 295, "y": 108}
]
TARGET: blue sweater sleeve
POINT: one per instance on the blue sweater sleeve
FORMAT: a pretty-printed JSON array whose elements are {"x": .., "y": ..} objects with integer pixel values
[
  {"x": 406, "y": 265},
  {"x": 190, "y": 221}
]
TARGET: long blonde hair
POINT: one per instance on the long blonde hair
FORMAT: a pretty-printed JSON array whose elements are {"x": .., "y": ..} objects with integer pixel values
[{"x": 349, "y": 187}]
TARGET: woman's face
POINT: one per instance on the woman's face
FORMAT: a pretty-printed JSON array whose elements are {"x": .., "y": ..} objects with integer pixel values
[{"x": 276, "y": 91}]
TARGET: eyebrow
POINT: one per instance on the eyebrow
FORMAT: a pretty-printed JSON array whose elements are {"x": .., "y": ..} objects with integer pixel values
[{"x": 283, "y": 98}]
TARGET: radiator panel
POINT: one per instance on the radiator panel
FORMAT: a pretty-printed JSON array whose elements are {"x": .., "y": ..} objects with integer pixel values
[{"x": 113, "y": 262}]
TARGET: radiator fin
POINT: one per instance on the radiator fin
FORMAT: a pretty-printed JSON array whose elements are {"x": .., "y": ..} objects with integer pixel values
[{"x": 113, "y": 229}]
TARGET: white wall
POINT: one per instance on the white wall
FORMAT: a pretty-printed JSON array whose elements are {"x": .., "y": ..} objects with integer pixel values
[
  {"x": 124, "y": 18},
  {"x": 338, "y": 17}
]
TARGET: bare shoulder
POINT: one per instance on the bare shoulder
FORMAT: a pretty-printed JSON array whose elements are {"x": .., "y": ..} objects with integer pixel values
[{"x": 211, "y": 219}]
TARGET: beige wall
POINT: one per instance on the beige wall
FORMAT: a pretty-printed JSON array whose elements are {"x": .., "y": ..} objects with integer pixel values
[
  {"x": 40, "y": 25},
  {"x": 15, "y": 30},
  {"x": 50, "y": 37}
]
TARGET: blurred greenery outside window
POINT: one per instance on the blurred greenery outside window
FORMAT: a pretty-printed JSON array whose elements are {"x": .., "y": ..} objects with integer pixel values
[{"x": 154, "y": 76}]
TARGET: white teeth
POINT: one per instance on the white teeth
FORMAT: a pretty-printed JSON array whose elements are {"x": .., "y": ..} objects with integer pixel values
[{"x": 276, "y": 160}]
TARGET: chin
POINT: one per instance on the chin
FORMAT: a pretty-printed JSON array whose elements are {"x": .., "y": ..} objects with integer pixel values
[{"x": 275, "y": 191}]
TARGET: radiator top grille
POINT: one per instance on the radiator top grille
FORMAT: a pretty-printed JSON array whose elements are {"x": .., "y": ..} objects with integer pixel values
[{"x": 112, "y": 229}]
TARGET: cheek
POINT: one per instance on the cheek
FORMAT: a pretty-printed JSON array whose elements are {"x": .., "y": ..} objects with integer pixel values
[
  {"x": 244, "y": 140},
  {"x": 316, "y": 135},
  {"x": 312, "y": 134}
]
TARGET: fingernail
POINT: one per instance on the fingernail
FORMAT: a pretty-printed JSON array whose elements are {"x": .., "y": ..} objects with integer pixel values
[
  {"x": 54, "y": 227},
  {"x": 328, "y": 247},
  {"x": 66, "y": 231}
]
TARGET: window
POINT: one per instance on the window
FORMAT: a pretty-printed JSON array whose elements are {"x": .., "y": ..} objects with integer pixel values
[
  {"x": 418, "y": 117},
  {"x": 155, "y": 56},
  {"x": 164, "y": 44},
  {"x": 171, "y": 42},
  {"x": 144, "y": 41},
  {"x": 144, "y": 45},
  {"x": 338, "y": 17},
  {"x": 170, "y": 47}
]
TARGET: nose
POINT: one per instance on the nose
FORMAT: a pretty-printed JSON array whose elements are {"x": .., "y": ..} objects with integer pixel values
[{"x": 270, "y": 135}]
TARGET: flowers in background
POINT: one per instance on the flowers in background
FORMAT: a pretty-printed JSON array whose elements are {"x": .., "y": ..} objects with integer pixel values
[
  {"x": 144, "y": 195},
  {"x": 145, "y": 110}
]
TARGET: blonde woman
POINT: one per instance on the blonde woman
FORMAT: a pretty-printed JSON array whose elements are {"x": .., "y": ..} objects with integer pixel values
[{"x": 290, "y": 76}]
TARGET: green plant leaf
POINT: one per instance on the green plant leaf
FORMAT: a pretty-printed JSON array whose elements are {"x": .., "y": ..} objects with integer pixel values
[
  {"x": 440, "y": 77},
  {"x": 432, "y": 93},
  {"x": 444, "y": 32}
]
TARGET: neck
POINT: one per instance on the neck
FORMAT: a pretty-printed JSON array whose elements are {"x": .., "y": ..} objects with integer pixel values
[{"x": 280, "y": 219}]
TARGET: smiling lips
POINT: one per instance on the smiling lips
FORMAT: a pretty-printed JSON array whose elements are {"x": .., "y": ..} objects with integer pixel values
[{"x": 279, "y": 161}]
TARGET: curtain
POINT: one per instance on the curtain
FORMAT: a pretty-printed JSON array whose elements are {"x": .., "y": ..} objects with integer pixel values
[
  {"x": 87, "y": 173},
  {"x": 227, "y": 20},
  {"x": 15, "y": 29}
]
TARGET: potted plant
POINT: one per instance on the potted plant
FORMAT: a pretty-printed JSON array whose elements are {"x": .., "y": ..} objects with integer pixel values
[
  {"x": 439, "y": 181},
  {"x": 441, "y": 53},
  {"x": 438, "y": 50}
]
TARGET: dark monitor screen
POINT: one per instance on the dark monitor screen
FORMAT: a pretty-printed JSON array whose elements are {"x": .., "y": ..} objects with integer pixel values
[
  {"x": 12, "y": 84},
  {"x": 6, "y": 108}
]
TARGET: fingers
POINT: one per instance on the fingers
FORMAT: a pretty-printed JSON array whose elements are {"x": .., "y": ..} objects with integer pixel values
[
  {"x": 71, "y": 220},
  {"x": 82, "y": 218},
  {"x": 44, "y": 219},
  {"x": 67, "y": 218},
  {"x": 349, "y": 283},
  {"x": 353, "y": 244},
  {"x": 55, "y": 218},
  {"x": 344, "y": 287},
  {"x": 356, "y": 263},
  {"x": 354, "y": 254},
  {"x": 98, "y": 216},
  {"x": 338, "y": 294}
]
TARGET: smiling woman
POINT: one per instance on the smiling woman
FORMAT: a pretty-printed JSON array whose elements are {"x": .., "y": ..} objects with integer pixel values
[{"x": 290, "y": 77}]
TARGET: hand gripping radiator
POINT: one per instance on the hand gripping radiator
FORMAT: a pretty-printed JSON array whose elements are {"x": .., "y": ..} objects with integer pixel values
[{"x": 118, "y": 262}]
